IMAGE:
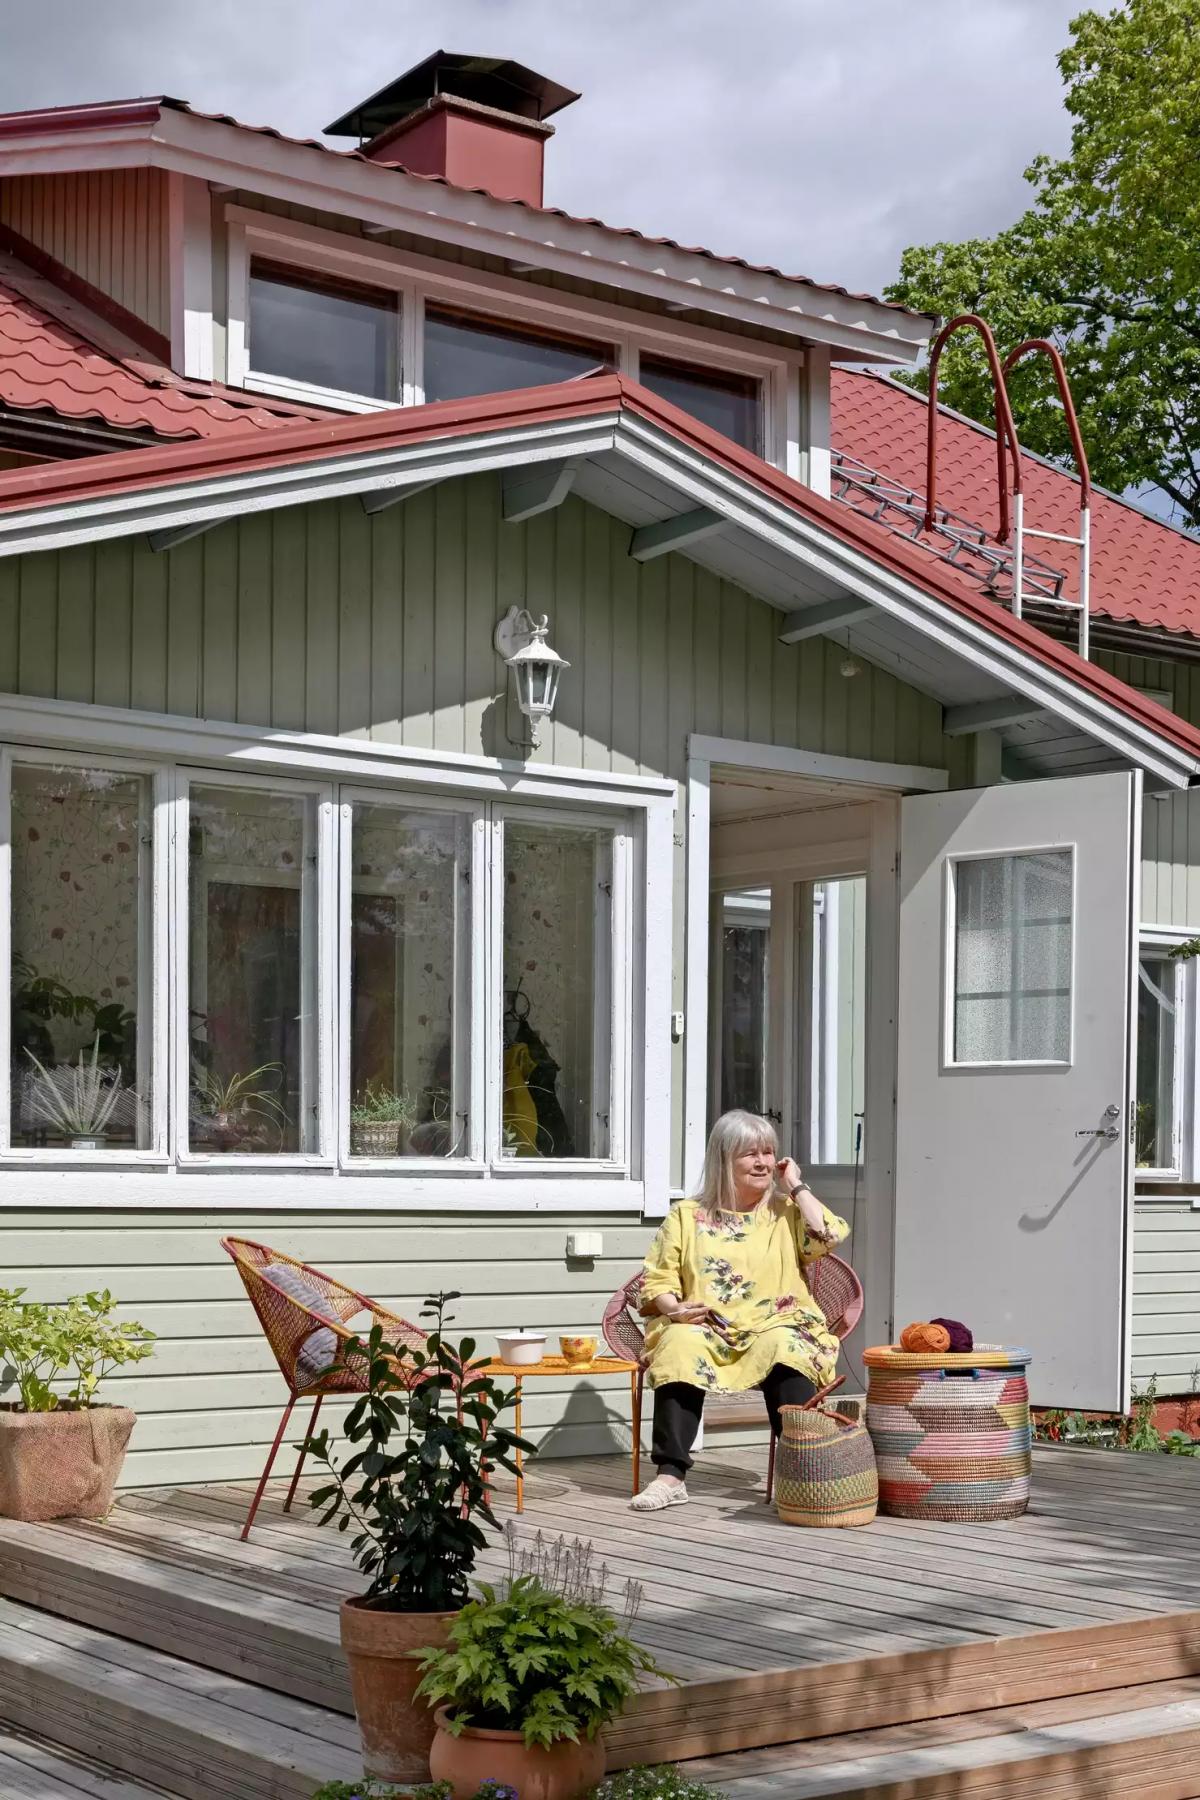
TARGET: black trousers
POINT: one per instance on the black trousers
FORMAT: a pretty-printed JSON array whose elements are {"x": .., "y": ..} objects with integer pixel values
[{"x": 678, "y": 1407}]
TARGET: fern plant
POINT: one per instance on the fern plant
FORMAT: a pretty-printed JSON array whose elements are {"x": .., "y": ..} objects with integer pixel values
[{"x": 540, "y": 1663}]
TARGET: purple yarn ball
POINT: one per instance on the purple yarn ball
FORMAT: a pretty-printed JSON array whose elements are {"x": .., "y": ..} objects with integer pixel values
[{"x": 960, "y": 1336}]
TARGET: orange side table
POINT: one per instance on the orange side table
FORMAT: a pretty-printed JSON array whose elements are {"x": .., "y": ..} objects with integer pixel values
[{"x": 558, "y": 1365}]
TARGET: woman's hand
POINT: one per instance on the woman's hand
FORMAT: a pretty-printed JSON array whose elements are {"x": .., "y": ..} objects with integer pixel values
[
  {"x": 790, "y": 1174},
  {"x": 791, "y": 1177},
  {"x": 690, "y": 1312}
]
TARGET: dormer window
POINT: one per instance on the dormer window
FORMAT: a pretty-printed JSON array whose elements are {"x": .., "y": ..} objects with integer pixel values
[
  {"x": 323, "y": 332},
  {"x": 731, "y": 404},
  {"x": 466, "y": 355}
]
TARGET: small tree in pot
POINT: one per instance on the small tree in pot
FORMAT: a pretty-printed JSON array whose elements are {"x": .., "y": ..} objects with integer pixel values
[
  {"x": 61, "y": 1453},
  {"x": 425, "y": 1441}
]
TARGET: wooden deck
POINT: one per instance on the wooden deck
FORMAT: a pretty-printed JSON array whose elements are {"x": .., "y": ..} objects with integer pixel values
[{"x": 780, "y": 1636}]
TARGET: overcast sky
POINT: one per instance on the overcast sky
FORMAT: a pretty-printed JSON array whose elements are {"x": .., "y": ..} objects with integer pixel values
[{"x": 819, "y": 135}]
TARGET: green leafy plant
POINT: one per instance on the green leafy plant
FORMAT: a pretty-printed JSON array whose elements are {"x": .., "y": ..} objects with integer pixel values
[
  {"x": 231, "y": 1110},
  {"x": 77, "y": 1100},
  {"x": 536, "y": 1662},
  {"x": 425, "y": 1441},
  {"x": 370, "y": 1789},
  {"x": 662, "y": 1783},
  {"x": 38, "y": 999},
  {"x": 381, "y": 1106},
  {"x": 40, "y": 1343}
]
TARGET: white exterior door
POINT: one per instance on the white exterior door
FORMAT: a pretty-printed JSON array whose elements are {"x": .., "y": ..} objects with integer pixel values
[{"x": 1018, "y": 919}]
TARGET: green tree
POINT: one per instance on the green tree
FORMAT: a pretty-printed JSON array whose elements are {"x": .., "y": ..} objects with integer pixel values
[{"x": 1106, "y": 262}]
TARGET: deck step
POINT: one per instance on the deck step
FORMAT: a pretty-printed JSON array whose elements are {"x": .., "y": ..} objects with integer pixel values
[
  {"x": 198, "y": 1733},
  {"x": 33, "y": 1769},
  {"x": 1129, "y": 1744}
]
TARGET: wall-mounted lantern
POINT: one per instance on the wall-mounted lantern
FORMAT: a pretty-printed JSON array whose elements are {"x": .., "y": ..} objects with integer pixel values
[{"x": 521, "y": 640}]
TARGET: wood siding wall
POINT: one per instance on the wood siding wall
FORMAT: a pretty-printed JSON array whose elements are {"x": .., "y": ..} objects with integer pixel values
[
  {"x": 325, "y": 620},
  {"x": 1166, "y": 1296},
  {"x": 108, "y": 226}
]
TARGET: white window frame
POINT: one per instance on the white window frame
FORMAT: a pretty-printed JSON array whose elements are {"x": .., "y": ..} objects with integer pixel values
[
  {"x": 1186, "y": 1083},
  {"x": 316, "y": 974},
  {"x": 180, "y": 752},
  {"x": 153, "y": 886},
  {"x": 416, "y": 278},
  {"x": 950, "y": 1063}
]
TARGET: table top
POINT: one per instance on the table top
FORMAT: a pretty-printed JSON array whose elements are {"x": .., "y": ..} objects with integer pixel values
[{"x": 558, "y": 1365}]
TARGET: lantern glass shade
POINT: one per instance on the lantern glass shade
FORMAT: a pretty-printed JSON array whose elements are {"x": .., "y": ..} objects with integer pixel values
[{"x": 537, "y": 668}]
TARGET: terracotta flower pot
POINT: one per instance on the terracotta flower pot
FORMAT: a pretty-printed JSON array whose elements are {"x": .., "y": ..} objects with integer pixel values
[
  {"x": 62, "y": 1464},
  {"x": 396, "y": 1728},
  {"x": 564, "y": 1772}
]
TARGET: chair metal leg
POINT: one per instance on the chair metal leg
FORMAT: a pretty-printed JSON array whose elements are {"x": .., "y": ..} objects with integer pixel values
[
  {"x": 771, "y": 1470},
  {"x": 266, "y": 1474},
  {"x": 312, "y": 1426}
]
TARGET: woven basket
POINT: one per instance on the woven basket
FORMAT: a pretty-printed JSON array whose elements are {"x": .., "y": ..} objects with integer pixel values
[
  {"x": 825, "y": 1474},
  {"x": 952, "y": 1433}
]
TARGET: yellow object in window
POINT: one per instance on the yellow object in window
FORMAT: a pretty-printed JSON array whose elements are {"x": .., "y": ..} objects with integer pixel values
[{"x": 520, "y": 1113}]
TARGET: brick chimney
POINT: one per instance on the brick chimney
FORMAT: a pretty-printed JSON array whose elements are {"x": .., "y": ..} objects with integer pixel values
[{"x": 478, "y": 121}]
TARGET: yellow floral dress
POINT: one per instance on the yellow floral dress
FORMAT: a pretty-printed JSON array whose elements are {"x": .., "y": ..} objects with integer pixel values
[{"x": 749, "y": 1267}]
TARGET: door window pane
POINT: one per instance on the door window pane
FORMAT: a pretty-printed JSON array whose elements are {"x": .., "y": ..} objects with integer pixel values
[
  {"x": 409, "y": 968},
  {"x": 81, "y": 985},
  {"x": 745, "y": 974},
  {"x": 466, "y": 356},
  {"x": 836, "y": 1064},
  {"x": 252, "y": 972},
  {"x": 1158, "y": 1044},
  {"x": 1012, "y": 958},
  {"x": 731, "y": 404},
  {"x": 557, "y": 990},
  {"x": 327, "y": 333}
]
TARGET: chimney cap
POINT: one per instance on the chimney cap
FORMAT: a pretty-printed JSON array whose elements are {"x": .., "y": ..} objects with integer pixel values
[{"x": 493, "y": 81}]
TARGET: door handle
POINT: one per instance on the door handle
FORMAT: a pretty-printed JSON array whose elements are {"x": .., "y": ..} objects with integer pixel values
[{"x": 1100, "y": 1131}]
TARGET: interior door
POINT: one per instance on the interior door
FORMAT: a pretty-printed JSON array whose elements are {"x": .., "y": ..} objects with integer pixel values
[{"x": 1018, "y": 918}]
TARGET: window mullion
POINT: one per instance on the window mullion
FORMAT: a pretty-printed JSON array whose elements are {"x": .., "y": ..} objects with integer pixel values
[
  {"x": 5, "y": 936},
  {"x": 488, "y": 997},
  {"x": 320, "y": 973}
]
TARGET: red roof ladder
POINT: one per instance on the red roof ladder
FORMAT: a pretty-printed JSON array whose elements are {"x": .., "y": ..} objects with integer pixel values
[{"x": 1006, "y": 442}]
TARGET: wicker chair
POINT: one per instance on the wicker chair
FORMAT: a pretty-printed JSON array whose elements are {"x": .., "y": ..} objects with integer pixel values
[
  {"x": 833, "y": 1285},
  {"x": 290, "y": 1325}
]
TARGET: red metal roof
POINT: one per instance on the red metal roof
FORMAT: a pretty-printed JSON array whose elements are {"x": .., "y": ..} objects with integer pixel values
[
  {"x": 599, "y": 396},
  {"x": 146, "y": 111},
  {"x": 48, "y": 365},
  {"x": 1144, "y": 572}
]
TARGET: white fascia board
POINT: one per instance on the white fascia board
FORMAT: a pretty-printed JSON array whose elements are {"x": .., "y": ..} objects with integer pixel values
[
  {"x": 206, "y": 500},
  {"x": 706, "y": 484},
  {"x": 304, "y": 175}
]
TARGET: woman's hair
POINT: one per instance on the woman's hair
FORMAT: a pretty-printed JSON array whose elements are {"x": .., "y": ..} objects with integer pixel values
[{"x": 733, "y": 1133}]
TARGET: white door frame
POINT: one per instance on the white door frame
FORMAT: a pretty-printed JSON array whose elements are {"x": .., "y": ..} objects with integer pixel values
[{"x": 705, "y": 753}]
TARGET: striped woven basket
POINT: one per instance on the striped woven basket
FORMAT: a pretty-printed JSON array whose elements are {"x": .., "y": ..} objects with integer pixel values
[
  {"x": 952, "y": 1433},
  {"x": 826, "y": 1469}
]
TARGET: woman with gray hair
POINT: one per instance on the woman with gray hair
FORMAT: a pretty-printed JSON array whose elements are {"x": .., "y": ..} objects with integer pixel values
[{"x": 725, "y": 1294}]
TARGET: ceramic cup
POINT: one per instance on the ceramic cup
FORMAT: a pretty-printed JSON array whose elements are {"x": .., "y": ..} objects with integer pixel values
[{"x": 578, "y": 1351}]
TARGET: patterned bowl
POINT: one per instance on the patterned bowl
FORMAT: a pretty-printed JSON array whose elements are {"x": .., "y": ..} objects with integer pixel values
[{"x": 578, "y": 1351}]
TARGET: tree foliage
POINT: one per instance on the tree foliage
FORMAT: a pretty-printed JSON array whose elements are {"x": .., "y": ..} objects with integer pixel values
[{"x": 1106, "y": 262}]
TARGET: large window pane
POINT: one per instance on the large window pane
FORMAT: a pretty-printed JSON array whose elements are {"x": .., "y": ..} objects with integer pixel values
[
  {"x": 326, "y": 333},
  {"x": 466, "y": 356},
  {"x": 409, "y": 967},
  {"x": 1158, "y": 1045},
  {"x": 557, "y": 990},
  {"x": 252, "y": 972},
  {"x": 731, "y": 404},
  {"x": 836, "y": 1064},
  {"x": 1012, "y": 959},
  {"x": 80, "y": 973}
]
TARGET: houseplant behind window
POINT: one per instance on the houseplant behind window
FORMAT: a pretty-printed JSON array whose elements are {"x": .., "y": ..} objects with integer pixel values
[
  {"x": 61, "y": 1452},
  {"x": 424, "y": 1439}
]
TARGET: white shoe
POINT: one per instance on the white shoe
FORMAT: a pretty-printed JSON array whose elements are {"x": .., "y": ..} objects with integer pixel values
[{"x": 659, "y": 1495}]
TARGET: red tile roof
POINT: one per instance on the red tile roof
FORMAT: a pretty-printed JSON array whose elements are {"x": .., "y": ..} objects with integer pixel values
[
  {"x": 1144, "y": 572},
  {"x": 600, "y": 396},
  {"x": 146, "y": 110},
  {"x": 54, "y": 359}
]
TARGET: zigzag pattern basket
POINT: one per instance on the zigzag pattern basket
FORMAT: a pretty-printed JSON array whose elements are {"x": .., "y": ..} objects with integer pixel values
[
  {"x": 952, "y": 1434},
  {"x": 825, "y": 1472}
]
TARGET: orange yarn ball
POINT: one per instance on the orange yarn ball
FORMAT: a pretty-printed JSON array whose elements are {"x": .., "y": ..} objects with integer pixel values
[{"x": 930, "y": 1340}]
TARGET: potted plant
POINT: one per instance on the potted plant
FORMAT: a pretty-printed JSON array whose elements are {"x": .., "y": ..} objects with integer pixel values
[
  {"x": 524, "y": 1686},
  {"x": 77, "y": 1100},
  {"x": 238, "y": 1112},
  {"x": 380, "y": 1121},
  {"x": 60, "y": 1454},
  {"x": 424, "y": 1439}
]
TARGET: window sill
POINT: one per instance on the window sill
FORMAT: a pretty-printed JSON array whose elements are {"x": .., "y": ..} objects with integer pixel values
[{"x": 281, "y": 387}]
